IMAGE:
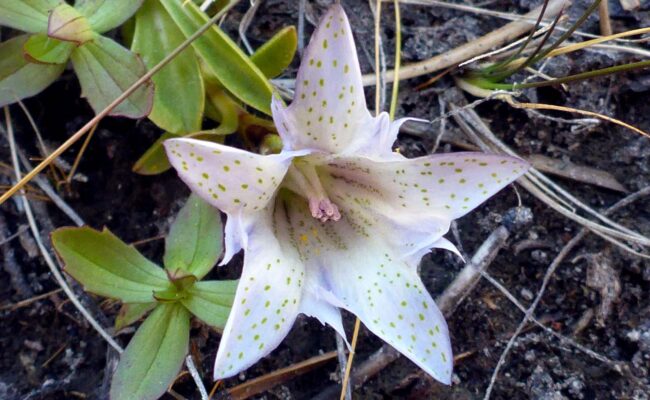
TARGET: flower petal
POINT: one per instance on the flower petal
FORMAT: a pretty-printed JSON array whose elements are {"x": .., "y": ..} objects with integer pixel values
[
  {"x": 381, "y": 143},
  {"x": 228, "y": 178},
  {"x": 447, "y": 186},
  {"x": 329, "y": 108},
  {"x": 267, "y": 300},
  {"x": 358, "y": 270},
  {"x": 412, "y": 202},
  {"x": 313, "y": 306}
]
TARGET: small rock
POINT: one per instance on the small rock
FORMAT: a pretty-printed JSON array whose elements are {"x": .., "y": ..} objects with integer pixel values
[
  {"x": 539, "y": 256},
  {"x": 541, "y": 386},
  {"x": 575, "y": 387},
  {"x": 526, "y": 294},
  {"x": 33, "y": 345}
]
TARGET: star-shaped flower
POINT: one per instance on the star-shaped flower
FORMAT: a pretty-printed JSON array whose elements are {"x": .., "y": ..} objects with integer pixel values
[{"x": 337, "y": 220}]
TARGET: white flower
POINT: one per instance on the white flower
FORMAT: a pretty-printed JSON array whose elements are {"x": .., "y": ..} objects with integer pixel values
[{"x": 337, "y": 220}]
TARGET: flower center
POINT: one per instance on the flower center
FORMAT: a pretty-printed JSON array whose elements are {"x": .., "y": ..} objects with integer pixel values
[{"x": 303, "y": 179}]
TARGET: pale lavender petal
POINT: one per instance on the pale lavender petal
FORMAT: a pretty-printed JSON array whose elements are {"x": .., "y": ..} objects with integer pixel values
[
  {"x": 234, "y": 236},
  {"x": 444, "y": 185},
  {"x": 329, "y": 108},
  {"x": 381, "y": 143},
  {"x": 443, "y": 243},
  {"x": 358, "y": 270},
  {"x": 228, "y": 178},
  {"x": 316, "y": 307},
  {"x": 266, "y": 303}
]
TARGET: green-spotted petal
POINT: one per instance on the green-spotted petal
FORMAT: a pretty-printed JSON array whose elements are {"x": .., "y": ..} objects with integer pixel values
[
  {"x": 353, "y": 266},
  {"x": 228, "y": 178},
  {"x": 266, "y": 304},
  {"x": 329, "y": 108},
  {"x": 447, "y": 186}
]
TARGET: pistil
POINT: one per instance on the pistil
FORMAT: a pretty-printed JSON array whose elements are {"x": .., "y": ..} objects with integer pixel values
[{"x": 303, "y": 179}]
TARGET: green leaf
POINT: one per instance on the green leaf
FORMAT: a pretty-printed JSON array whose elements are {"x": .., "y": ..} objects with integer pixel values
[
  {"x": 222, "y": 57},
  {"x": 227, "y": 109},
  {"x": 107, "y": 266},
  {"x": 194, "y": 243},
  {"x": 211, "y": 301},
  {"x": 43, "y": 49},
  {"x": 154, "y": 161},
  {"x": 131, "y": 312},
  {"x": 105, "y": 70},
  {"x": 19, "y": 78},
  {"x": 179, "y": 97},
  {"x": 26, "y": 15},
  {"x": 105, "y": 15},
  {"x": 154, "y": 356},
  {"x": 277, "y": 53},
  {"x": 66, "y": 23}
]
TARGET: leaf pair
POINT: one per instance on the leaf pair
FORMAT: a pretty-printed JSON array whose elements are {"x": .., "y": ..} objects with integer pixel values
[
  {"x": 60, "y": 32},
  {"x": 214, "y": 77},
  {"x": 106, "y": 266}
]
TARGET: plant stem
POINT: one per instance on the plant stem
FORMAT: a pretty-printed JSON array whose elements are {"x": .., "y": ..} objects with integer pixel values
[{"x": 485, "y": 84}]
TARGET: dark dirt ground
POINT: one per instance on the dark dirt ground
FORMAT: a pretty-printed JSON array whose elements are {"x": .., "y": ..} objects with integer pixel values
[{"x": 50, "y": 352}]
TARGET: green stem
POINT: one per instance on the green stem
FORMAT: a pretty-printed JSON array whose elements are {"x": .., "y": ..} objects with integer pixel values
[
  {"x": 486, "y": 84},
  {"x": 504, "y": 63},
  {"x": 539, "y": 54}
]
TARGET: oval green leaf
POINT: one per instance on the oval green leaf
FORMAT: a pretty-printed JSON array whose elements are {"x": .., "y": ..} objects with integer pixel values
[
  {"x": 66, "y": 23},
  {"x": 43, "y": 49},
  {"x": 19, "y": 78},
  {"x": 131, "y": 312},
  {"x": 154, "y": 356},
  {"x": 107, "y": 266},
  {"x": 277, "y": 53},
  {"x": 104, "y": 15},
  {"x": 154, "y": 161},
  {"x": 210, "y": 301},
  {"x": 105, "y": 70},
  {"x": 26, "y": 15},
  {"x": 223, "y": 57},
  {"x": 194, "y": 243},
  {"x": 179, "y": 98}
]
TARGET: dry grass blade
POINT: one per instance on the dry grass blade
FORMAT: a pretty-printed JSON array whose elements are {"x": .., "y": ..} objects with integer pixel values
[
  {"x": 77, "y": 159},
  {"x": 540, "y": 106},
  {"x": 31, "y": 300},
  {"x": 494, "y": 39},
  {"x": 266, "y": 382}
]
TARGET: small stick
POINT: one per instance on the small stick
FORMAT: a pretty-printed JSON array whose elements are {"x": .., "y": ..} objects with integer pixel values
[
  {"x": 605, "y": 23},
  {"x": 26, "y": 302},
  {"x": 77, "y": 160},
  {"x": 16, "y": 278},
  {"x": 189, "y": 362},
  {"x": 263, "y": 383},
  {"x": 474, "y": 48},
  {"x": 343, "y": 362},
  {"x": 348, "y": 367}
]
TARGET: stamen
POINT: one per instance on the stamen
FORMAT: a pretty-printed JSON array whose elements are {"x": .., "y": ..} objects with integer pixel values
[{"x": 303, "y": 179}]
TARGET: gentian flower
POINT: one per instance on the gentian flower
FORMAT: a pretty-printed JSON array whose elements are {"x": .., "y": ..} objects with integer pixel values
[{"x": 337, "y": 219}]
